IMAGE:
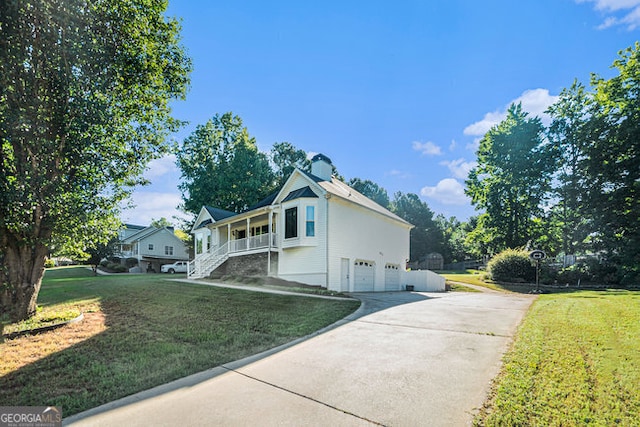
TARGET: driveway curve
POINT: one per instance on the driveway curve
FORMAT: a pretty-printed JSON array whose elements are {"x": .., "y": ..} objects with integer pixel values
[{"x": 404, "y": 358}]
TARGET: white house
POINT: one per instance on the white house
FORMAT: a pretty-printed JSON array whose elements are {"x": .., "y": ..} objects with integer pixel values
[
  {"x": 316, "y": 230},
  {"x": 151, "y": 246}
]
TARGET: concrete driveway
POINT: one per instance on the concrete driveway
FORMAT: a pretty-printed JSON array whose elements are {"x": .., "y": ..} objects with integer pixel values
[{"x": 404, "y": 359}]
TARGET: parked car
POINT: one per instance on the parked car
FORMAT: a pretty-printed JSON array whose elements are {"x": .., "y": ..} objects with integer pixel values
[{"x": 176, "y": 267}]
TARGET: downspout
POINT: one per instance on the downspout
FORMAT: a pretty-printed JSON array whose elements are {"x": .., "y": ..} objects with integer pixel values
[
  {"x": 269, "y": 236},
  {"x": 327, "y": 196}
]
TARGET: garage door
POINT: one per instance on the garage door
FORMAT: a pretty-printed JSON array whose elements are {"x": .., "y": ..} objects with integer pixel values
[
  {"x": 364, "y": 273},
  {"x": 391, "y": 277}
]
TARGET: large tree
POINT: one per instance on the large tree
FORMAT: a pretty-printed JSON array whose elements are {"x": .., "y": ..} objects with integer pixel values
[
  {"x": 222, "y": 167},
  {"x": 511, "y": 180},
  {"x": 612, "y": 163},
  {"x": 371, "y": 190},
  {"x": 84, "y": 105},
  {"x": 425, "y": 237},
  {"x": 569, "y": 134},
  {"x": 286, "y": 157}
]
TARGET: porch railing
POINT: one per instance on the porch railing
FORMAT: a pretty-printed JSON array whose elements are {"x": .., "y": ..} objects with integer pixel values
[
  {"x": 205, "y": 263},
  {"x": 253, "y": 242}
]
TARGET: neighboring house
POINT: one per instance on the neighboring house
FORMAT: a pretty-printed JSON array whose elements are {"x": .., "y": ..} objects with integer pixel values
[
  {"x": 151, "y": 247},
  {"x": 315, "y": 230}
]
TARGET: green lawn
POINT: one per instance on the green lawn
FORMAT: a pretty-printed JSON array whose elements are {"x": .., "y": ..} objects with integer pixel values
[
  {"x": 575, "y": 361},
  {"x": 141, "y": 331},
  {"x": 471, "y": 277}
]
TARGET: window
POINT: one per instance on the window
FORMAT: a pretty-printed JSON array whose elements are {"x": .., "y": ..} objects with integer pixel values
[
  {"x": 208, "y": 242},
  {"x": 291, "y": 223},
  {"x": 150, "y": 246},
  {"x": 198, "y": 244},
  {"x": 311, "y": 224},
  {"x": 168, "y": 250}
]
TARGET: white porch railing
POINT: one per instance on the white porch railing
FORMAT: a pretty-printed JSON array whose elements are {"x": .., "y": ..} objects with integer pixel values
[
  {"x": 205, "y": 263},
  {"x": 253, "y": 242}
]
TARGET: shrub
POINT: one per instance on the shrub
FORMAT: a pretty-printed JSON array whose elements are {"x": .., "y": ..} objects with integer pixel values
[
  {"x": 512, "y": 265},
  {"x": 131, "y": 262},
  {"x": 119, "y": 268},
  {"x": 49, "y": 263}
]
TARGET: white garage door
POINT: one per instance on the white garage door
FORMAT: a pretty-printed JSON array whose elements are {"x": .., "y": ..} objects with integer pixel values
[
  {"x": 391, "y": 277},
  {"x": 364, "y": 276}
]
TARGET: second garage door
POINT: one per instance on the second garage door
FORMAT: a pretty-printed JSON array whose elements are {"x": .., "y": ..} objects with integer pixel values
[
  {"x": 391, "y": 277},
  {"x": 364, "y": 276}
]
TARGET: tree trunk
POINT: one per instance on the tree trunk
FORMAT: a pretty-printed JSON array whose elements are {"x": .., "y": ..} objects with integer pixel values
[{"x": 22, "y": 271}]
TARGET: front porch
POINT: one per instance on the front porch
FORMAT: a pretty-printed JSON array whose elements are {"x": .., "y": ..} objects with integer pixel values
[{"x": 217, "y": 242}]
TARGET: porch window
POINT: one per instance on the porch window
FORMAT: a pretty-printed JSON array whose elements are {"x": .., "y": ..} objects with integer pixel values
[
  {"x": 291, "y": 223},
  {"x": 198, "y": 244},
  {"x": 168, "y": 250},
  {"x": 311, "y": 223}
]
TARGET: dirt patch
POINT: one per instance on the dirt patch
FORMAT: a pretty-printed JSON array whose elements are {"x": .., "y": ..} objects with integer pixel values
[{"x": 24, "y": 350}]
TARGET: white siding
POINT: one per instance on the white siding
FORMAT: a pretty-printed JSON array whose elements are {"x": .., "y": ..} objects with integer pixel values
[
  {"x": 161, "y": 239},
  {"x": 359, "y": 233},
  {"x": 303, "y": 259}
]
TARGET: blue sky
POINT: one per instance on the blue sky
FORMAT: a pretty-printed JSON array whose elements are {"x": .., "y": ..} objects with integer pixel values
[{"x": 396, "y": 92}]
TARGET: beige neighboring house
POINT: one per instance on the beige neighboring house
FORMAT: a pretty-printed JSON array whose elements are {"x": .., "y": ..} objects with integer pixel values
[
  {"x": 152, "y": 247},
  {"x": 315, "y": 230}
]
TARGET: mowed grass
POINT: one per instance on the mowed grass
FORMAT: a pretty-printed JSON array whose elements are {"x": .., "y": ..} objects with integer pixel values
[
  {"x": 471, "y": 277},
  {"x": 141, "y": 331},
  {"x": 575, "y": 362}
]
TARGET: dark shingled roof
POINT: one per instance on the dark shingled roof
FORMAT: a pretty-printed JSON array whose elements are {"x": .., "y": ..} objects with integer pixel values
[
  {"x": 219, "y": 214},
  {"x": 300, "y": 192},
  {"x": 264, "y": 202}
]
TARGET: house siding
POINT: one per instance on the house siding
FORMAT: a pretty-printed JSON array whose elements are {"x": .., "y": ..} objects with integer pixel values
[
  {"x": 159, "y": 240},
  {"x": 361, "y": 234},
  {"x": 304, "y": 259}
]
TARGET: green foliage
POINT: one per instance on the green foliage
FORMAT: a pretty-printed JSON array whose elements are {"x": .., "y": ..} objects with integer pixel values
[
  {"x": 511, "y": 265},
  {"x": 285, "y": 158},
  {"x": 49, "y": 263},
  {"x": 160, "y": 223},
  {"x": 511, "y": 180},
  {"x": 569, "y": 134},
  {"x": 425, "y": 237},
  {"x": 371, "y": 190},
  {"x": 222, "y": 167},
  {"x": 85, "y": 89}
]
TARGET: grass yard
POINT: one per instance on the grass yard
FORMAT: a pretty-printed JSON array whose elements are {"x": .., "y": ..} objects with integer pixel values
[
  {"x": 471, "y": 277},
  {"x": 140, "y": 331},
  {"x": 575, "y": 361}
]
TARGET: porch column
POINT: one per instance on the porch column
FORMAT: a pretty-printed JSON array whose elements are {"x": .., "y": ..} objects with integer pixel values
[
  {"x": 247, "y": 233},
  {"x": 228, "y": 237}
]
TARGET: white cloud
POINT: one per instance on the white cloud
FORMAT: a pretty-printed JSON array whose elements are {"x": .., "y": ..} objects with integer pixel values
[
  {"x": 625, "y": 12},
  {"x": 427, "y": 148},
  {"x": 152, "y": 205},
  {"x": 453, "y": 145},
  {"x": 161, "y": 166},
  {"x": 448, "y": 192},
  {"x": 459, "y": 168},
  {"x": 534, "y": 101},
  {"x": 398, "y": 174}
]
